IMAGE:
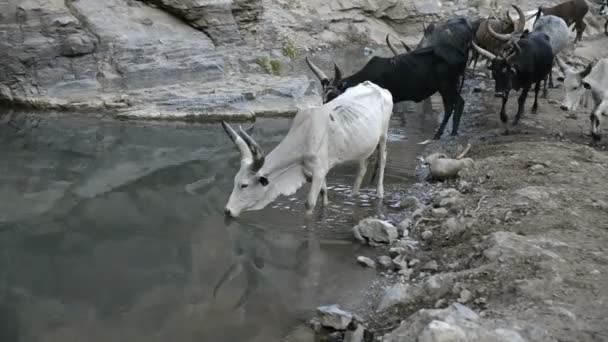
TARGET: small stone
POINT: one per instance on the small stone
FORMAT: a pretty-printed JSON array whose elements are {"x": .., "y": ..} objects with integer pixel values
[
  {"x": 365, "y": 261},
  {"x": 332, "y": 316},
  {"x": 536, "y": 167},
  {"x": 385, "y": 261},
  {"x": 395, "y": 251},
  {"x": 480, "y": 301},
  {"x": 400, "y": 262},
  {"x": 410, "y": 202},
  {"x": 426, "y": 235},
  {"x": 595, "y": 272},
  {"x": 465, "y": 296},
  {"x": 441, "y": 303},
  {"x": 404, "y": 226},
  {"x": 439, "y": 212},
  {"x": 430, "y": 266},
  {"x": 371, "y": 230},
  {"x": 413, "y": 262},
  {"x": 418, "y": 213}
]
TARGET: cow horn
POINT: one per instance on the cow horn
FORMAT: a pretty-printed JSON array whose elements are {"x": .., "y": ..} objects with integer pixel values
[
  {"x": 522, "y": 19},
  {"x": 484, "y": 52},
  {"x": 503, "y": 37},
  {"x": 587, "y": 70},
  {"x": 238, "y": 141},
  {"x": 406, "y": 47},
  {"x": 256, "y": 151},
  {"x": 561, "y": 65},
  {"x": 391, "y": 46},
  {"x": 318, "y": 72},
  {"x": 337, "y": 72}
]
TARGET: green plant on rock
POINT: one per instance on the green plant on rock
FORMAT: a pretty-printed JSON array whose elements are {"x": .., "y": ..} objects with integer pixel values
[
  {"x": 271, "y": 66},
  {"x": 289, "y": 49}
]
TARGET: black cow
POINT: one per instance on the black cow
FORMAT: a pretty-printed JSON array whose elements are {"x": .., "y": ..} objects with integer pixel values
[
  {"x": 416, "y": 75},
  {"x": 529, "y": 63}
]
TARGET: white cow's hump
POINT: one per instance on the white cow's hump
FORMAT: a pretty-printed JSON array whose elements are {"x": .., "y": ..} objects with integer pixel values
[{"x": 599, "y": 74}]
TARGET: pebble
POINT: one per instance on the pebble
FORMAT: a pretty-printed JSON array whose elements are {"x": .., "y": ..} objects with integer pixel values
[
  {"x": 395, "y": 251},
  {"x": 385, "y": 261},
  {"x": 439, "y": 212},
  {"x": 400, "y": 262},
  {"x": 332, "y": 316},
  {"x": 536, "y": 167},
  {"x": 441, "y": 303},
  {"x": 413, "y": 262},
  {"x": 365, "y": 261},
  {"x": 465, "y": 296},
  {"x": 430, "y": 266},
  {"x": 426, "y": 235}
]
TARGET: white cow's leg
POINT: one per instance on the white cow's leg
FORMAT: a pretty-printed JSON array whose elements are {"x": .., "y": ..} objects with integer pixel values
[
  {"x": 324, "y": 192},
  {"x": 315, "y": 187},
  {"x": 380, "y": 186},
  {"x": 360, "y": 175}
]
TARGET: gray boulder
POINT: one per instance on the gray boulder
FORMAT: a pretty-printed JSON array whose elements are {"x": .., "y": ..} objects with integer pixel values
[
  {"x": 333, "y": 317},
  {"x": 374, "y": 231}
]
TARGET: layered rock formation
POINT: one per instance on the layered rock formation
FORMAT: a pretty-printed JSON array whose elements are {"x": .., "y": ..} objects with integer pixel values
[{"x": 179, "y": 58}]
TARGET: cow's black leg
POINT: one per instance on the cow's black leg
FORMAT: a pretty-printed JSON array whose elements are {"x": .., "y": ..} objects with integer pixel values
[
  {"x": 551, "y": 85},
  {"x": 580, "y": 27},
  {"x": 448, "y": 105},
  {"x": 520, "y": 102},
  {"x": 535, "y": 105},
  {"x": 503, "y": 113},
  {"x": 458, "y": 108}
]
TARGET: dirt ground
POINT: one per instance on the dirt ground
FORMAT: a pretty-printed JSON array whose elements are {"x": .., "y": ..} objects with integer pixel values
[{"x": 528, "y": 237}]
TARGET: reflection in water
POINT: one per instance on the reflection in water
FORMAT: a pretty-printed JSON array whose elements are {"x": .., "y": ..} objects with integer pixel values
[{"x": 115, "y": 232}]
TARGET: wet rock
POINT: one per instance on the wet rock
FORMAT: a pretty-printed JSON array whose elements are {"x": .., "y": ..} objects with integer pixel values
[
  {"x": 394, "y": 295},
  {"x": 411, "y": 203},
  {"x": 396, "y": 251},
  {"x": 374, "y": 231},
  {"x": 333, "y": 317},
  {"x": 404, "y": 226},
  {"x": 430, "y": 266},
  {"x": 365, "y": 261},
  {"x": 77, "y": 45},
  {"x": 426, "y": 235},
  {"x": 400, "y": 262},
  {"x": 413, "y": 262},
  {"x": 385, "y": 261}
]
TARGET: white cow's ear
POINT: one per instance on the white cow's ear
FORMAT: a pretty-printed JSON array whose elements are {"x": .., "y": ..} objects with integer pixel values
[
  {"x": 586, "y": 85},
  {"x": 263, "y": 180}
]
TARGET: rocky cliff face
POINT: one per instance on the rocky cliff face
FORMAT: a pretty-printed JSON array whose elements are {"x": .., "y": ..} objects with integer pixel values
[{"x": 188, "y": 57}]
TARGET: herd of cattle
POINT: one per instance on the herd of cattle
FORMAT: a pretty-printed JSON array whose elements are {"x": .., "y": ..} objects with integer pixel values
[{"x": 353, "y": 121}]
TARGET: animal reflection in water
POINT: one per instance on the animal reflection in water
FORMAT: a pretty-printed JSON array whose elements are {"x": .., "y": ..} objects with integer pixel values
[{"x": 267, "y": 258}]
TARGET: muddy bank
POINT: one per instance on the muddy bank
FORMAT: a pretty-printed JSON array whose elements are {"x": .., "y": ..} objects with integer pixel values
[{"x": 512, "y": 250}]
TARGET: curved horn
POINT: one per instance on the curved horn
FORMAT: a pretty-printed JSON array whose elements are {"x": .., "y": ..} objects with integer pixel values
[
  {"x": 318, "y": 72},
  {"x": 484, "y": 52},
  {"x": 337, "y": 72},
  {"x": 239, "y": 142},
  {"x": 587, "y": 70},
  {"x": 391, "y": 46},
  {"x": 406, "y": 47},
  {"x": 522, "y": 19},
  {"x": 563, "y": 67},
  {"x": 256, "y": 151},
  {"x": 503, "y": 37}
]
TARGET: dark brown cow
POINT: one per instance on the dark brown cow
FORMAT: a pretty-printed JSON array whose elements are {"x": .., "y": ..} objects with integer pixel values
[{"x": 572, "y": 11}]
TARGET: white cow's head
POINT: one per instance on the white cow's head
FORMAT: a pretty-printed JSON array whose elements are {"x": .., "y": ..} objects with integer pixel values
[
  {"x": 574, "y": 84},
  {"x": 600, "y": 97},
  {"x": 250, "y": 190}
]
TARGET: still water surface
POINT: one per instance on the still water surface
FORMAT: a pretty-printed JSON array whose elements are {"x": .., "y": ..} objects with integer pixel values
[{"x": 114, "y": 231}]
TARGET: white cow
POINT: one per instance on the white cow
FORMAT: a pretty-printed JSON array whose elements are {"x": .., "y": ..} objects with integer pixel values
[
  {"x": 593, "y": 79},
  {"x": 349, "y": 128}
]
